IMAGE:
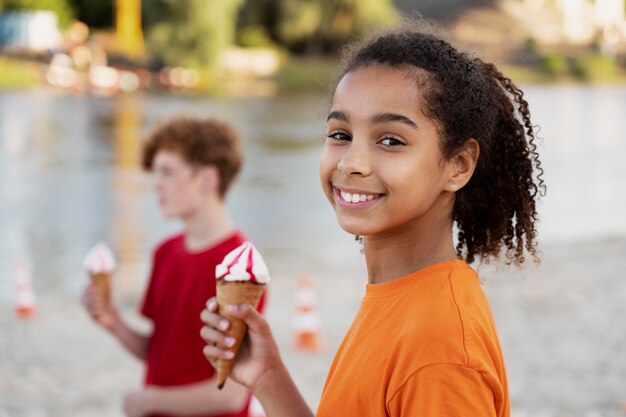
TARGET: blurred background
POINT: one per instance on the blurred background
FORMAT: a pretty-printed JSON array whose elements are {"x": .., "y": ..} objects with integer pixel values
[{"x": 82, "y": 82}]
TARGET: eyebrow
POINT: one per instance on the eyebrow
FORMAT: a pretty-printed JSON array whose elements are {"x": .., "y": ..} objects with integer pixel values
[
  {"x": 377, "y": 118},
  {"x": 392, "y": 117},
  {"x": 336, "y": 114}
]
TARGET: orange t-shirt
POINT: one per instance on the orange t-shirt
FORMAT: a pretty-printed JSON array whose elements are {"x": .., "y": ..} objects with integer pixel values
[{"x": 424, "y": 345}]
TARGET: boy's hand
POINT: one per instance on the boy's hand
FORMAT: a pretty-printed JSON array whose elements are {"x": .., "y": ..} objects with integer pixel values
[
  {"x": 258, "y": 354},
  {"x": 137, "y": 403},
  {"x": 102, "y": 311}
]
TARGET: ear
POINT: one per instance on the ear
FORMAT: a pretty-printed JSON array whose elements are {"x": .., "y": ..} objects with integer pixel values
[
  {"x": 462, "y": 165},
  {"x": 209, "y": 177}
]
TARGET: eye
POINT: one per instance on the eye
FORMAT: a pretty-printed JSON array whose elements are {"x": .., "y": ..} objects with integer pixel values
[
  {"x": 340, "y": 136},
  {"x": 163, "y": 172},
  {"x": 391, "y": 141}
]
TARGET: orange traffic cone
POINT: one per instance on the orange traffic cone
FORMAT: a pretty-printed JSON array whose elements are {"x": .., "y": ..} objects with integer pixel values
[
  {"x": 256, "y": 409},
  {"x": 307, "y": 319},
  {"x": 24, "y": 294}
]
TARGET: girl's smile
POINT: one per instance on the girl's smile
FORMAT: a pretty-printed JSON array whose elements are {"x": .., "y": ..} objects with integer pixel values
[
  {"x": 355, "y": 199},
  {"x": 382, "y": 168}
]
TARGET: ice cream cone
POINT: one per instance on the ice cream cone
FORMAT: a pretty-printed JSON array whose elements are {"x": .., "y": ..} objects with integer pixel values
[
  {"x": 235, "y": 292},
  {"x": 101, "y": 282},
  {"x": 100, "y": 264}
]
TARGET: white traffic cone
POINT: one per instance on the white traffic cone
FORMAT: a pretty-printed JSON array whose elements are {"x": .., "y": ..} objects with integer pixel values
[
  {"x": 24, "y": 295},
  {"x": 307, "y": 319}
]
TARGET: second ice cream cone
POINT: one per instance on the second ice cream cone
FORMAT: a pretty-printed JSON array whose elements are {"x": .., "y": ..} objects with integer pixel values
[
  {"x": 235, "y": 292},
  {"x": 101, "y": 282},
  {"x": 100, "y": 264}
]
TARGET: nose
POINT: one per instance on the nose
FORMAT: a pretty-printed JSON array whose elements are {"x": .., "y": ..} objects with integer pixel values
[
  {"x": 356, "y": 159},
  {"x": 157, "y": 182}
]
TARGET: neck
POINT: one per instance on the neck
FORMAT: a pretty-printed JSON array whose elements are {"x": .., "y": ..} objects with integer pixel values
[
  {"x": 409, "y": 248},
  {"x": 207, "y": 226}
]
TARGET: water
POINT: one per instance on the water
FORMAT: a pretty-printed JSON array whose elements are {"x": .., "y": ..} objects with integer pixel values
[{"x": 70, "y": 176}]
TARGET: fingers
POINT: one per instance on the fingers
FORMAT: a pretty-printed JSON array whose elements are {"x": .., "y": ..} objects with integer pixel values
[
  {"x": 213, "y": 337},
  {"x": 213, "y": 353},
  {"x": 255, "y": 321},
  {"x": 97, "y": 307},
  {"x": 212, "y": 333},
  {"x": 210, "y": 317}
]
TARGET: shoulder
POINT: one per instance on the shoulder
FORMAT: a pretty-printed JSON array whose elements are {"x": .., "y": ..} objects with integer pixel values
[
  {"x": 474, "y": 314},
  {"x": 230, "y": 243},
  {"x": 450, "y": 318},
  {"x": 169, "y": 244}
]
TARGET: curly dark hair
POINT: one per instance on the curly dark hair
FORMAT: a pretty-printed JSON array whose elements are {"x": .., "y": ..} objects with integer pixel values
[
  {"x": 469, "y": 98},
  {"x": 199, "y": 142}
]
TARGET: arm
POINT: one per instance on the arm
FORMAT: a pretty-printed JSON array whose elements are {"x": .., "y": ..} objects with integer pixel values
[
  {"x": 107, "y": 315},
  {"x": 199, "y": 398},
  {"x": 258, "y": 366},
  {"x": 449, "y": 390}
]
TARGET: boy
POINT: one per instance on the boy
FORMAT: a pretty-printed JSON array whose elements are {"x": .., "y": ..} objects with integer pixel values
[{"x": 193, "y": 162}]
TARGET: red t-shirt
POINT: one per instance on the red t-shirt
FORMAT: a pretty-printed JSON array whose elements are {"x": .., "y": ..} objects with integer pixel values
[{"x": 180, "y": 284}]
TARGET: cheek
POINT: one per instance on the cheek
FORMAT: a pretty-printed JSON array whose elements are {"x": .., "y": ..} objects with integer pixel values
[{"x": 327, "y": 167}]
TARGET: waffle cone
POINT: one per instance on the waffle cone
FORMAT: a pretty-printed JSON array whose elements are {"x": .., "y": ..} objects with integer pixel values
[
  {"x": 235, "y": 292},
  {"x": 101, "y": 281}
]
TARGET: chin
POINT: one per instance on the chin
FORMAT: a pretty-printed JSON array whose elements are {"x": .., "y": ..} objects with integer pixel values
[
  {"x": 355, "y": 228},
  {"x": 168, "y": 214}
]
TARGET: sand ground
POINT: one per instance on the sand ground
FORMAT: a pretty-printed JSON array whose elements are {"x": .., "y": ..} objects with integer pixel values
[{"x": 562, "y": 326}]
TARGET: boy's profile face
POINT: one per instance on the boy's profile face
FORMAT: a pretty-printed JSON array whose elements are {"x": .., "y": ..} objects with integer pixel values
[{"x": 178, "y": 185}]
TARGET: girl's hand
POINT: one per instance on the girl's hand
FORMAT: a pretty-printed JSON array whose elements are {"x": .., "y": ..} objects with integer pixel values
[{"x": 258, "y": 355}]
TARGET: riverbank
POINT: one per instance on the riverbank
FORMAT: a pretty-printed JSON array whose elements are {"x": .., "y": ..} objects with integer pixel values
[
  {"x": 314, "y": 74},
  {"x": 560, "y": 326}
]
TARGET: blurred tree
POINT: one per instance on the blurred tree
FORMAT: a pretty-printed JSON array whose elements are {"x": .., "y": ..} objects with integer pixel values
[
  {"x": 190, "y": 33},
  {"x": 313, "y": 26},
  {"x": 95, "y": 13},
  {"x": 62, "y": 8}
]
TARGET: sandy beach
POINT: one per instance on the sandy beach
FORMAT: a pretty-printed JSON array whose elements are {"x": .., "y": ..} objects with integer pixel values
[{"x": 561, "y": 326}]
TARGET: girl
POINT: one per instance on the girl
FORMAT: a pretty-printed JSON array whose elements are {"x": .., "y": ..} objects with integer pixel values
[{"x": 421, "y": 137}]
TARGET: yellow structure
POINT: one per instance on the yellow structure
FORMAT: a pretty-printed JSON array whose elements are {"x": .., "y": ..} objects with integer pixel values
[{"x": 128, "y": 26}]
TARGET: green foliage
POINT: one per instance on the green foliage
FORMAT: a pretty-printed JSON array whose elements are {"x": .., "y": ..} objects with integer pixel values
[
  {"x": 313, "y": 26},
  {"x": 61, "y": 8},
  {"x": 595, "y": 67},
  {"x": 18, "y": 74},
  {"x": 299, "y": 20},
  {"x": 301, "y": 74},
  {"x": 253, "y": 36},
  {"x": 554, "y": 65},
  {"x": 190, "y": 33},
  {"x": 372, "y": 14},
  {"x": 531, "y": 45}
]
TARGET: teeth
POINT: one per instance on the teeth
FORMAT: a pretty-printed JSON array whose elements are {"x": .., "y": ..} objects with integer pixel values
[{"x": 356, "y": 198}]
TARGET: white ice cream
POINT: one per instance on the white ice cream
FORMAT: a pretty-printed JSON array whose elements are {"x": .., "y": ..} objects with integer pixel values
[
  {"x": 100, "y": 260},
  {"x": 243, "y": 264}
]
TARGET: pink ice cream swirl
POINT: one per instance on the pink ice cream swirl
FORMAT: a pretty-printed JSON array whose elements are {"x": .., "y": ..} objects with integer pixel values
[{"x": 243, "y": 264}]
